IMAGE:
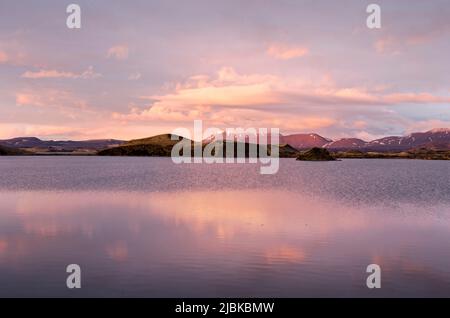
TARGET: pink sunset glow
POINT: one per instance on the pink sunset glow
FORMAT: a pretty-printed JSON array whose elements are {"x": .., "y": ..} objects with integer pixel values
[{"x": 137, "y": 70}]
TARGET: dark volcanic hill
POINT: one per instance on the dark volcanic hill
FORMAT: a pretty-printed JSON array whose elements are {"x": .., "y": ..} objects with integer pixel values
[
  {"x": 315, "y": 154},
  {"x": 160, "y": 145},
  {"x": 7, "y": 151}
]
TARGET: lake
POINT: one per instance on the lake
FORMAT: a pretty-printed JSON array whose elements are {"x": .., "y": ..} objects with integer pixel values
[{"x": 146, "y": 227}]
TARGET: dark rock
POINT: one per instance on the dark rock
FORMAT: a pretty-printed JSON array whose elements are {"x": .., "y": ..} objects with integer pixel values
[{"x": 316, "y": 154}]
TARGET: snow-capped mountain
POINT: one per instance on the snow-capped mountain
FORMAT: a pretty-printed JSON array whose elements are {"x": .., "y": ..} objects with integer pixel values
[
  {"x": 242, "y": 137},
  {"x": 433, "y": 139},
  {"x": 305, "y": 141},
  {"x": 298, "y": 141},
  {"x": 346, "y": 143}
]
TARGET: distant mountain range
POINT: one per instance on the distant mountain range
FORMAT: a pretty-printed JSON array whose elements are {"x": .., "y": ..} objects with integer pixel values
[
  {"x": 436, "y": 139},
  {"x": 37, "y": 145},
  {"x": 433, "y": 139}
]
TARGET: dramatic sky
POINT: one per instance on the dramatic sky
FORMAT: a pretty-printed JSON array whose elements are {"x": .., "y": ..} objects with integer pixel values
[{"x": 138, "y": 68}]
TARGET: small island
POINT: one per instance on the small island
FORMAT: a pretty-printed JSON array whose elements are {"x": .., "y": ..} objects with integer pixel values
[{"x": 315, "y": 154}]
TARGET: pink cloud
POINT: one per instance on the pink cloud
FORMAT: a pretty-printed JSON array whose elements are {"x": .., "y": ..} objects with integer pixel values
[
  {"x": 434, "y": 30},
  {"x": 426, "y": 125},
  {"x": 200, "y": 96},
  {"x": 135, "y": 76},
  {"x": 13, "y": 53},
  {"x": 194, "y": 98},
  {"x": 417, "y": 98},
  {"x": 231, "y": 99},
  {"x": 57, "y": 101},
  {"x": 3, "y": 57},
  {"x": 387, "y": 44},
  {"x": 88, "y": 74},
  {"x": 119, "y": 52},
  {"x": 286, "y": 52},
  {"x": 395, "y": 41},
  {"x": 22, "y": 129},
  {"x": 360, "y": 124}
]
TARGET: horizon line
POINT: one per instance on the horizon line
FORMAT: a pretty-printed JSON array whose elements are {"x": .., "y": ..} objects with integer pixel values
[{"x": 442, "y": 129}]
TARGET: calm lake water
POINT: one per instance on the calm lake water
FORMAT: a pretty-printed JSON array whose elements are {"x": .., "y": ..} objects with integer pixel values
[{"x": 146, "y": 227}]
